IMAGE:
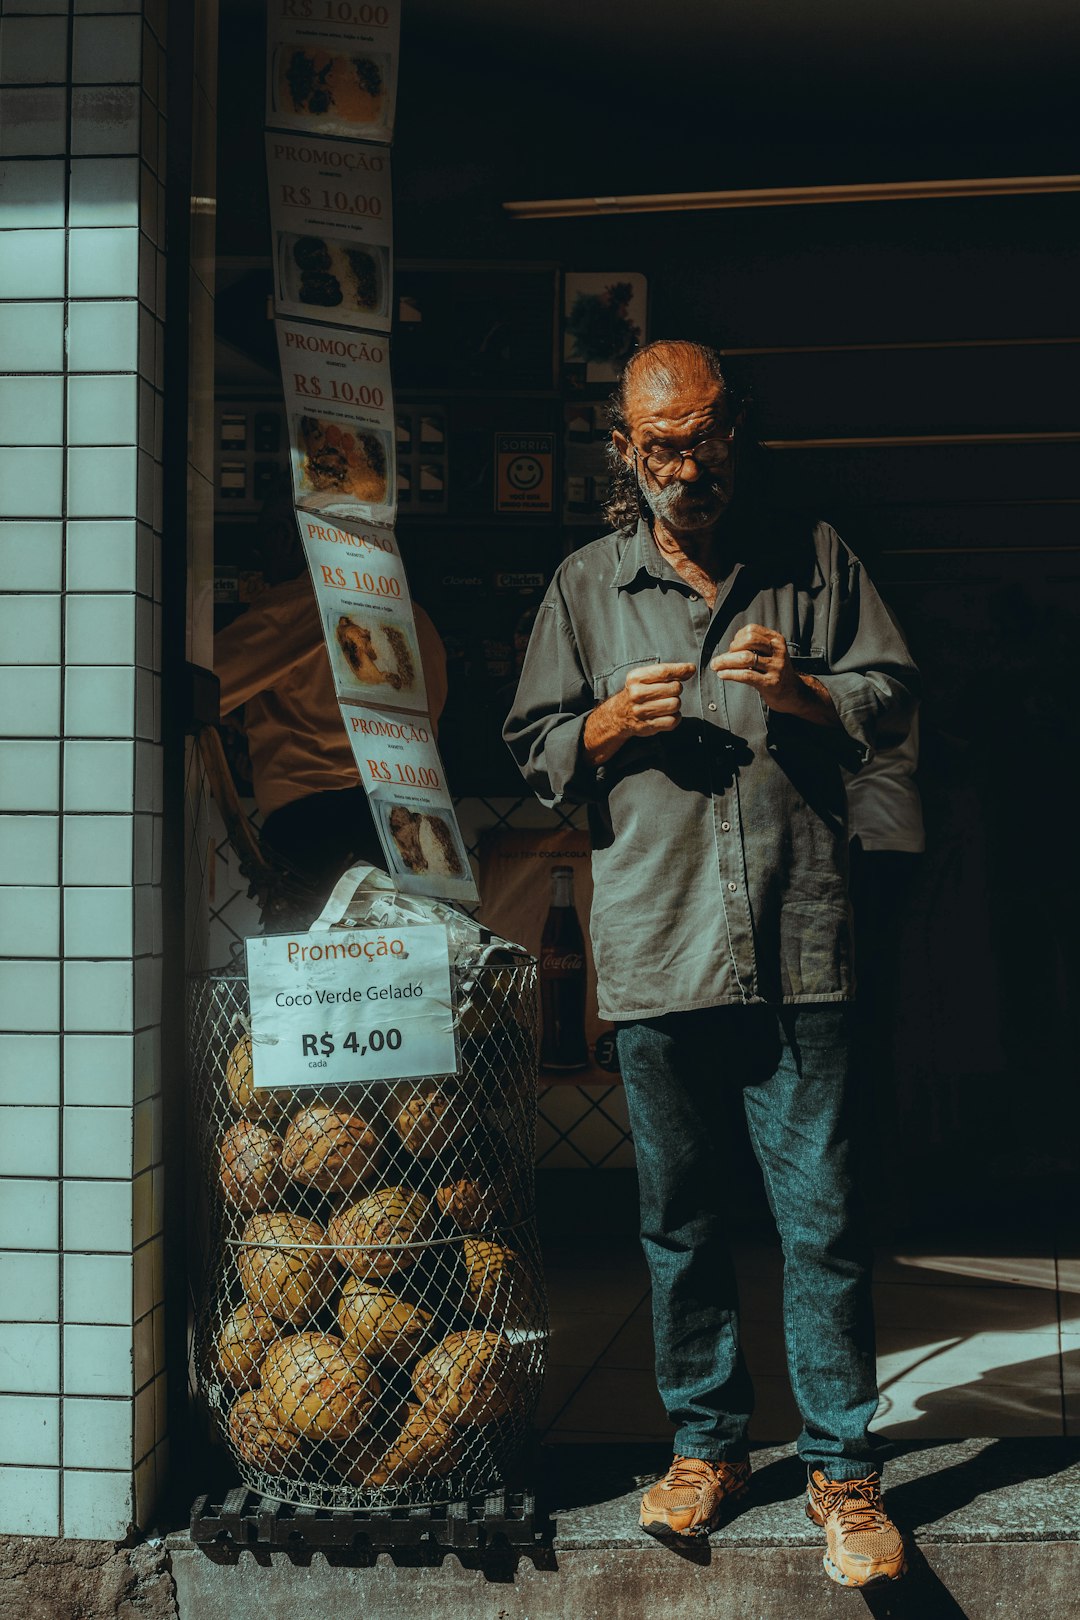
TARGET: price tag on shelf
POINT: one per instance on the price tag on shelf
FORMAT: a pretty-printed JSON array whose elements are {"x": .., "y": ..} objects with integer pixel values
[{"x": 348, "y": 1006}]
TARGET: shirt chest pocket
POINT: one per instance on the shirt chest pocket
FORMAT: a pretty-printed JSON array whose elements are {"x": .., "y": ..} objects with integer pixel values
[
  {"x": 807, "y": 660},
  {"x": 613, "y": 680}
]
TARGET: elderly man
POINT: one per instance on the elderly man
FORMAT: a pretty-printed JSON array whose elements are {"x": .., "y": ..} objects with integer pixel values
[{"x": 698, "y": 678}]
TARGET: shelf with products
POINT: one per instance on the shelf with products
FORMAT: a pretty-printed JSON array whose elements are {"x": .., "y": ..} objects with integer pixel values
[{"x": 586, "y": 467}]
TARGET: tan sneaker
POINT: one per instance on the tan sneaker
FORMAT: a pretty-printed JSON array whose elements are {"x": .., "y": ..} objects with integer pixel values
[
  {"x": 691, "y": 1497},
  {"x": 863, "y": 1546}
]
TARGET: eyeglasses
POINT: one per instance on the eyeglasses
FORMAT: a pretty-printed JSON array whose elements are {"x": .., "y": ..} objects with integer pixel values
[{"x": 665, "y": 462}]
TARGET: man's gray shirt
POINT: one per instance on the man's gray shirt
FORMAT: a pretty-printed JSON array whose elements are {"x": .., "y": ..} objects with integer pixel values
[{"x": 719, "y": 848}]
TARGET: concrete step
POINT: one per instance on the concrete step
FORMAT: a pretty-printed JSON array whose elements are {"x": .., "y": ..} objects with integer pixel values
[{"x": 994, "y": 1527}]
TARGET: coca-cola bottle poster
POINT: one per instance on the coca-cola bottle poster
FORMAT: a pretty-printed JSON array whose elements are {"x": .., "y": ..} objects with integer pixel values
[{"x": 537, "y": 889}]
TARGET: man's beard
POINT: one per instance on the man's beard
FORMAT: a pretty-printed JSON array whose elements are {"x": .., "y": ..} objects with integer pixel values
[{"x": 686, "y": 508}]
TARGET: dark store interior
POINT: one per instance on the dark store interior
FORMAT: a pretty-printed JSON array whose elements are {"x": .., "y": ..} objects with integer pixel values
[{"x": 910, "y": 361}]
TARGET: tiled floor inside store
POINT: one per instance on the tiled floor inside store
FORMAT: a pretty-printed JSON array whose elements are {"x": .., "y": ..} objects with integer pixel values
[{"x": 977, "y": 1336}]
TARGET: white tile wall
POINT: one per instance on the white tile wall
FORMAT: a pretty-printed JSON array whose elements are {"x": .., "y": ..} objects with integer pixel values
[
  {"x": 100, "y": 629},
  {"x": 81, "y": 379},
  {"x": 30, "y": 1430},
  {"x": 97, "y": 1218},
  {"x": 29, "y": 776},
  {"x": 29, "y": 1141},
  {"x": 103, "y": 337},
  {"x": 30, "y": 996},
  {"x": 98, "y": 849},
  {"x": 98, "y": 1506},
  {"x": 99, "y": 776},
  {"x": 100, "y": 702},
  {"x": 30, "y": 1289},
  {"x": 31, "y": 554},
  {"x": 105, "y": 119},
  {"x": 103, "y": 262},
  {"x": 98, "y": 1433},
  {"x": 102, "y": 410},
  {"x": 29, "y": 1213},
  {"x": 99, "y": 1069},
  {"x": 33, "y": 193},
  {"x": 33, "y": 121},
  {"x": 98, "y": 922},
  {"x": 31, "y": 410},
  {"x": 30, "y": 482},
  {"x": 104, "y": 191},
  {"x": 29, "y": 629},
  {"x": 30, "y": 700},
  {"x": 103, "y": 482},
  {"x": 29, "y": 922},
  {"x": 97, "y": 1144},
  {"x": 32, "y": 264},
  {"x": 29, "y": 849},
  {"x": 30, "y": 1356},
  {"x": 29, "y": 1502},
  {"x": 33, "y": 50},
  {"x": 99, "y": 995},
  {"x": 97, "y": 1360},
  {"x": 98, "y": 1289},
  {"x": 29, "y": 1070},
  {"x": 32, "y": 335}
]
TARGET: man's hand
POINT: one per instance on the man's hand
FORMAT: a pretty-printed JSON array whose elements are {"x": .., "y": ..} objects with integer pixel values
[
  {"x": 650, "y": 702},
  {"x": 759, "y": 657}
]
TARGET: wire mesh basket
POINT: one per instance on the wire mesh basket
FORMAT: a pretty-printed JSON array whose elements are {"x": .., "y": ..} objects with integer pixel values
[{"x": 373, "y": 1324}]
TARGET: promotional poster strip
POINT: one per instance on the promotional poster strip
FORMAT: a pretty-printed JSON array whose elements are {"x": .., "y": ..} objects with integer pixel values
[
  {"x": 332, "y": 72},
  {"x": 340, "y": 409},
  {"x": 331, "y": 66},
  {"x": 366, "y": 612},
  {"x": 332, "y": 225},
  {"x": 400, "y": 767}
]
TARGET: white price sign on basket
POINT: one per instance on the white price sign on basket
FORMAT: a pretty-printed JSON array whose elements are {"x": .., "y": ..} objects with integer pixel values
[{"x": 350, "y": 1005}]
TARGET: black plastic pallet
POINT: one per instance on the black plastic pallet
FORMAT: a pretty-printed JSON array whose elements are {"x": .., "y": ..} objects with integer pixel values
[{"x": 245, "y": 1519}]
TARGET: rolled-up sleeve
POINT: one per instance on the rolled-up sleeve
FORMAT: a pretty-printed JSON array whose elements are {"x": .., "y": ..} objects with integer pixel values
[
  {"x": 554, "y": 699},
  {"x": 867, "y": 669},
  {"x": 872, "y": 678}
]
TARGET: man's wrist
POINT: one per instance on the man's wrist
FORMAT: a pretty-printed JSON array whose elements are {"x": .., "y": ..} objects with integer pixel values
[
  {"x": 815, "y": 703},
  {"x": 603, "y": 735}
]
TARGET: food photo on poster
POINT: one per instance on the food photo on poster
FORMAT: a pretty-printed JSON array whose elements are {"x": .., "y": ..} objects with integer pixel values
[
  {"x": 331, "y": 66},
  {"x": 341, "y": 420},
  {"x": 400, "y": 768},
  {"x": 332, "y": 221},
  {"x": 363, "y": 595}
]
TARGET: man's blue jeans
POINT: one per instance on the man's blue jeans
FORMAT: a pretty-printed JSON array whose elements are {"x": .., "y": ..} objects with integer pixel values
[{"x": 791, "y": 1065}]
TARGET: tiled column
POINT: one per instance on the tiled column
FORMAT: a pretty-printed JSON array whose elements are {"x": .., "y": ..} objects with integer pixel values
[{"x": 82, "y": 1384}]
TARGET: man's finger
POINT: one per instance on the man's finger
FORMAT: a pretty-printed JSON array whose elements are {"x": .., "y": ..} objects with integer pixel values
[
  {"x": 667, "y": 689},
  {"x": 736, "y": 660},
  {"x": 661, "y": 672},
  {"x": 754, "y": 635}
]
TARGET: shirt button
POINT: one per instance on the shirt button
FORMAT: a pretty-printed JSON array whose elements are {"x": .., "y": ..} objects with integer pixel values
[
  {"x": 733, "y": 887},
  {"x": 693, "y": 596},
  {"x": 725, "y": 826},
  {"x": 712, "y": 706}
]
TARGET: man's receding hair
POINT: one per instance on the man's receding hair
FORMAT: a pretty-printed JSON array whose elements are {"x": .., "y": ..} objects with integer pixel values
[{"x": 660, "y": 367}]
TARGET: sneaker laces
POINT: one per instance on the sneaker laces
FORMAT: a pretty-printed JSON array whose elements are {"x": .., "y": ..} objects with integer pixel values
[
  {"x": 856, "y": 1501},
  {"x": 688, "y": 1471}
]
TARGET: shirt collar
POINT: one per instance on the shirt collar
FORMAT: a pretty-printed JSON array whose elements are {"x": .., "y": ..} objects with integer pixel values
[{"x": 640, "y": 554}]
